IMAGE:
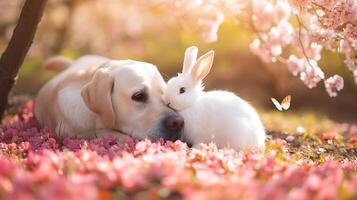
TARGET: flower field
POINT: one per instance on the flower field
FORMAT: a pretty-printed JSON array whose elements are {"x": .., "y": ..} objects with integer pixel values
[
  {"x": 305, "y": 50},
  {"x": 316, "y": 162}
]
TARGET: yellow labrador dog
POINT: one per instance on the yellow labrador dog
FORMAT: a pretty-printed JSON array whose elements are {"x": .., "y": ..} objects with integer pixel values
[{"x": 94, "y": 96}]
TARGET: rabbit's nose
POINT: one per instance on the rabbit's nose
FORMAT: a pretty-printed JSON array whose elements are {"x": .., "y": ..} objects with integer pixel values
[{"x": 168, "y": 105}]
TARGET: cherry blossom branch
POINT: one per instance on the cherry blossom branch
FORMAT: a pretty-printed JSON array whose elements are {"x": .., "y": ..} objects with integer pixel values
[
  {"x": 301, "y": 44},
  {"x": 318, "y": 5},
  {"x": 263, "y": 41}
]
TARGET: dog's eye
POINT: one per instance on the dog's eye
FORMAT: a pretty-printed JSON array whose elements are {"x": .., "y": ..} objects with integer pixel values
[
  {"x": 140, "y": 96},
  {"x": 182, "y": 90}
]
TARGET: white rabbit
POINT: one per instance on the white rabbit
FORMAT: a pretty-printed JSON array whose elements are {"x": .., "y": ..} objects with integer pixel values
[{"x": 214, "y": 116}]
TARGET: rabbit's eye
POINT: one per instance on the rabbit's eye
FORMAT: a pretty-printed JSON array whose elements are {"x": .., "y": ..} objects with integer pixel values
[{"x": 182, "y": 90}]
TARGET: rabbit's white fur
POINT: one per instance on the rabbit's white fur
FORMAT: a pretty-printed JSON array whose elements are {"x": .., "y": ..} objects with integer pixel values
[{"x": 214, "y": 116}]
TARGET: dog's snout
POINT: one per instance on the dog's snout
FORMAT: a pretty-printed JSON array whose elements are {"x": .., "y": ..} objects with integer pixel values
[
  {"x": 174, "y": 123},
  {"x": 172, "y": 127}
]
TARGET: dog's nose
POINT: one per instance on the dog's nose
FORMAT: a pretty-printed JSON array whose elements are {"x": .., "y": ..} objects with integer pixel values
[
  {"x": 173, "y": 126},
  {"x": 174, "y": 123}
]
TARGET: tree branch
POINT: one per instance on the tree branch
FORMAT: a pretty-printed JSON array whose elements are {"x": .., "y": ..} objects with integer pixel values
[
  {"x": 20, "y": 42},
  {"x": 301, "y": 44}
]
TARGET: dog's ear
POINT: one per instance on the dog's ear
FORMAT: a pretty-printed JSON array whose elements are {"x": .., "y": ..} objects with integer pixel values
[{"x": 97, "y": 96}]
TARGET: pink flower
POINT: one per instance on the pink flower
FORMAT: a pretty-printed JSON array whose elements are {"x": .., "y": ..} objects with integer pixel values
[
  {"x": 344, "y": 47},
  {"x": 313, "y": 51},
  {"x": 298, "y": 194},
  {"x": 263, "y": 14},
  {"x": 286, "y": 32},
  {"x": 210, "y": 27},
  {"x": 295, "y": 65},
  {"x": 300, "y": 5},
  {"x": 262, "y": 51},
  {"x": 333, "y": 85},
  {"x": 339, "y": 13},
  {"x": 312, "y": 73},
  {"x": 313, "y": 183},
  {"x": 350, "y": 31},
  {"x": 351, "y": 63},
  {"x": 62, "y": 189},
  {"x": 282, "y": 11}
]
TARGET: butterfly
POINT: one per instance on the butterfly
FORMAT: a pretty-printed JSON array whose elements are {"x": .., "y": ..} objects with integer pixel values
[{"x": 284, "y": 105}]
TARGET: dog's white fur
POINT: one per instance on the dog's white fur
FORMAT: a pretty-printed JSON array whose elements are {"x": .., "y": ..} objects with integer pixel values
[
  {"x": 214, "y": 116},
  {"x": 93, "y": 96}
]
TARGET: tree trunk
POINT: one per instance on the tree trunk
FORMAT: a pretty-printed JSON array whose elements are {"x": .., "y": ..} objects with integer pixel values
[{"x": 20, "y": 42}]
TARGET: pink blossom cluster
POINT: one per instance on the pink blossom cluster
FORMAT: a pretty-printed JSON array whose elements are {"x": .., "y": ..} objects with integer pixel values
[
  {"x": 327, "y": 24},
  {"x": 299, "y": 29},
  {"x": 207, "y": 14},
  {"x": 333, "y": 85},
  {"x": 36, "y": 164},
  {"x": 308, "y": 70}
]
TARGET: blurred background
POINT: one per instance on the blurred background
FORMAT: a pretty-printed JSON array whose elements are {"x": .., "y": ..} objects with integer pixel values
[{"x": 154, "y": 31}]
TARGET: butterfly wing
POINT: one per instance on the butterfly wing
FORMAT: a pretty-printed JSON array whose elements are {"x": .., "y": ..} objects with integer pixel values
[
  {"x": 285, "y": 104},
  {"x": 276, "y": 104}
]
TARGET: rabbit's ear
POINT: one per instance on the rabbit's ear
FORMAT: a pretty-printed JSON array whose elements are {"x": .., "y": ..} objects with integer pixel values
[
  {"x": 190, "y": 59},
  {"x": 202, "y": 66}
]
